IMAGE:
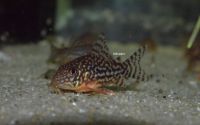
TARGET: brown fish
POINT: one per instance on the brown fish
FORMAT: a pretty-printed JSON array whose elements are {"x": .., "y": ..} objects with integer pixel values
[{"x": 93, "y": 71}]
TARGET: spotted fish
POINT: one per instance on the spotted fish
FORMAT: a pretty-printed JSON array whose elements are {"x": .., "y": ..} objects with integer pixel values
[{"x": 96, "y": 69}]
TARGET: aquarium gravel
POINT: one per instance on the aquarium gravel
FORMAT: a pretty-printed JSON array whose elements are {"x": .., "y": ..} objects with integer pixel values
[{"x": 171, "y": 97}]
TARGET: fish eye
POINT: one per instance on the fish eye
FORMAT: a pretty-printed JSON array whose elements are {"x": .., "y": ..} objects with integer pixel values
[{"x": 73, "y": 71}]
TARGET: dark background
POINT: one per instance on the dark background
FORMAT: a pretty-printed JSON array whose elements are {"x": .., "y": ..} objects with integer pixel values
[
  {"x": 24, "y": 20},
  {"x": 165, "y": 21}
]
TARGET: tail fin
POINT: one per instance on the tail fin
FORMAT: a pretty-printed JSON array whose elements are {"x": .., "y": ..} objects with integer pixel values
[{"x": 133, "y": 67}]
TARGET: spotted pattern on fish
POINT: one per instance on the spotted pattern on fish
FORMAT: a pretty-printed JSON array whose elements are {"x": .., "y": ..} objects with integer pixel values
[{"x": 99, "y": 65}]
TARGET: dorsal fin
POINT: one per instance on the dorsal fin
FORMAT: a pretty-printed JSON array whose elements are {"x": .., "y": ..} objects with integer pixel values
[{"x": 100, "y": 48}]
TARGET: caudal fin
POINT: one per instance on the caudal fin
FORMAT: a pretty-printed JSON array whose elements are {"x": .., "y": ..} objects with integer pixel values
[{"x": 133, "y": 66}]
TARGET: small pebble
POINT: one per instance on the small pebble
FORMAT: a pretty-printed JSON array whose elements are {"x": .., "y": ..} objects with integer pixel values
[
  {"x": 158, "y": 80},
  {"x": 74, "y": 104}
]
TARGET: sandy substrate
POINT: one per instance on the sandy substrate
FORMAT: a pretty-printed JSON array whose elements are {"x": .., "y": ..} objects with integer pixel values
[{"x": 172, "y": 96}]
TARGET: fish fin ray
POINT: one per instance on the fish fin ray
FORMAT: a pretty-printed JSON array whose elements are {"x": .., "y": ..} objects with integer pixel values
[
  {"x": 133, "y": 65},
  {"x": 100, "y": 48}
]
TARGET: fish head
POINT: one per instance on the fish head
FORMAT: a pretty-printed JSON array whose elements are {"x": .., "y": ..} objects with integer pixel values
[{"x": 65, "y": 78}]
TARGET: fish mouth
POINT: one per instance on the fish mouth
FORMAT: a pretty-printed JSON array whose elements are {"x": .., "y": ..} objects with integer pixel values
[
  {"x": 57, "y": 88},
  {"x": 66, "y": 86}
]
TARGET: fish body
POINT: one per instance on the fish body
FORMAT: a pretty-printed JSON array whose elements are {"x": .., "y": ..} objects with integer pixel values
[{"x": 89, "y": 73}]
